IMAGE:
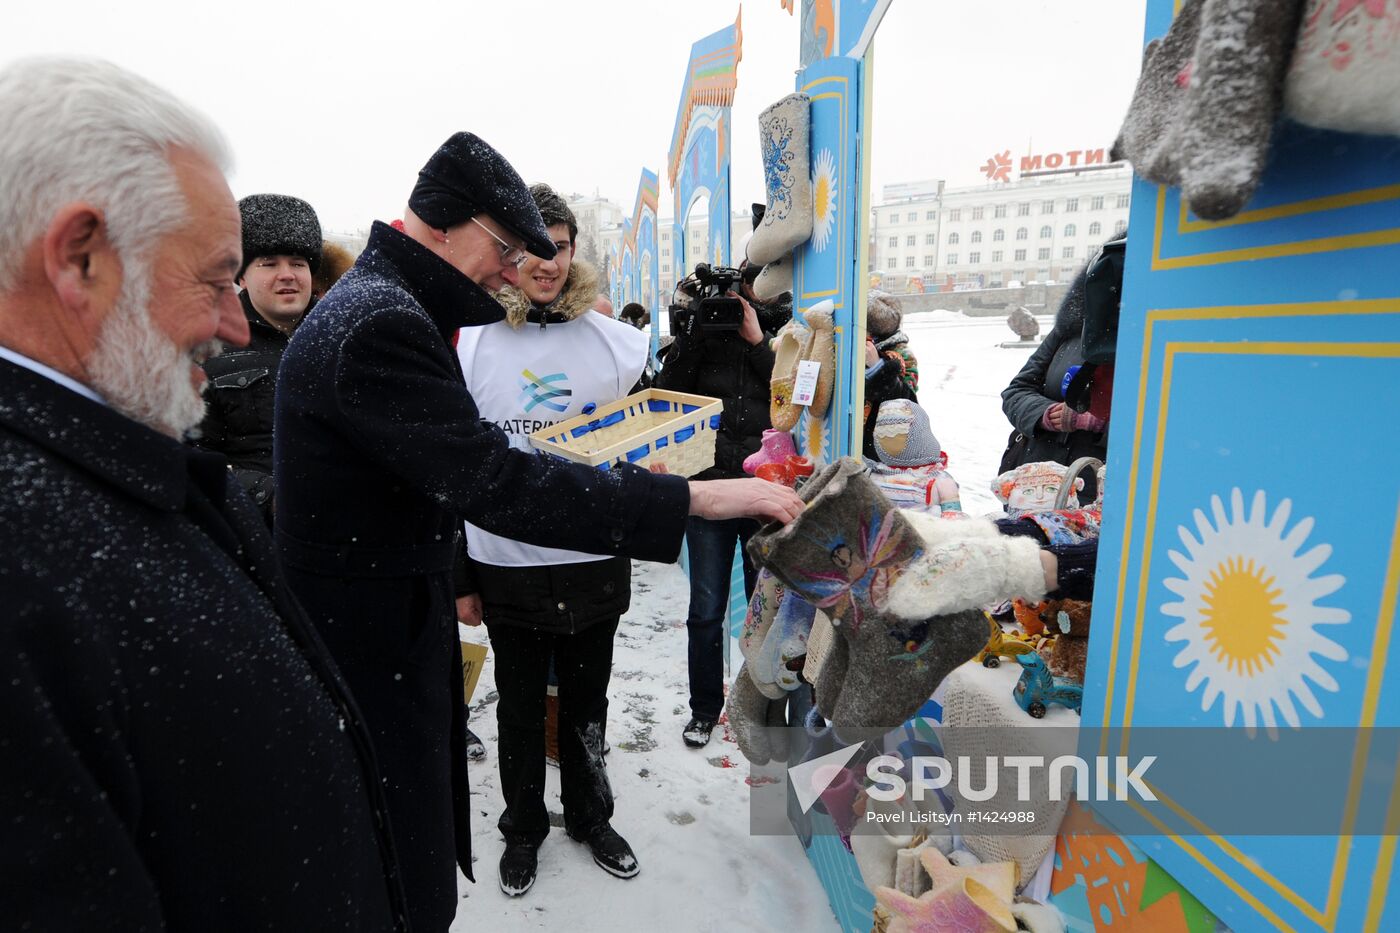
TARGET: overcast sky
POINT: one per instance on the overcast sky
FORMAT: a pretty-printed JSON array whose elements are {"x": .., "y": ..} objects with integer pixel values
[{"x": 341, "y": 103}]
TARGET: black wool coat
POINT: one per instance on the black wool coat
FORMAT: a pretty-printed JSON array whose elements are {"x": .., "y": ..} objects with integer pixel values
[
  {"x": 1037, "y": 386},
  {"x": 380, "y": 455},
  {"x": 726, "y": 367},
  {"x": 177, "y": 750}
]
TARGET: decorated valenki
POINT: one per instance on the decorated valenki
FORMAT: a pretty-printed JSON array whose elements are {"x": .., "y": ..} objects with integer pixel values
[
  {"x": 844, "y": 554},
  {"x": 1207, "y": 101},
  {"x": 784, "y": 131},
  {"x": 758, "y": 722}
]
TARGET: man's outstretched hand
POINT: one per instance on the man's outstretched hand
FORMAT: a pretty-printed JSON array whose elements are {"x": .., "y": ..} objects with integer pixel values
[{"x": 744, "y": 498}]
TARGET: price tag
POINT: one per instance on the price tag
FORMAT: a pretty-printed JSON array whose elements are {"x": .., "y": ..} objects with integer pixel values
[{"x": 806, "y": 384}]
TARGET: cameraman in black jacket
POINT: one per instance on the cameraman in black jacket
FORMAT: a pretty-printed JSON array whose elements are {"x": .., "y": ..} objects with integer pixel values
[{"x": 735, "y": 366}]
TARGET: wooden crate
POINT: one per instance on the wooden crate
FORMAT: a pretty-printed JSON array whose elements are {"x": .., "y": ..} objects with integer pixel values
[{"x": 654, "y": 426}]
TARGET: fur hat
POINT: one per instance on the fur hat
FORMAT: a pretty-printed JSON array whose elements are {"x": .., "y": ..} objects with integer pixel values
[
  {"x": 466, "y": 177},
  {"x": 279, "y": 225},
  {"x": 882, "y": 314}
]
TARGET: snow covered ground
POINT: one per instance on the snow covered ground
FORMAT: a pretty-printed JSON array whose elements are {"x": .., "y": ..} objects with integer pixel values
[{"x": 686, "y": 812}]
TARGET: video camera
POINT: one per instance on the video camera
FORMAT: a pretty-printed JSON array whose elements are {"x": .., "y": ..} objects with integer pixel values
[{"x": 706, "y": 303}]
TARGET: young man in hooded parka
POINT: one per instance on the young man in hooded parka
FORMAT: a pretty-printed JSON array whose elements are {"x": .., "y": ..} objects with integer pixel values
[{"x": 550, "y": 360}]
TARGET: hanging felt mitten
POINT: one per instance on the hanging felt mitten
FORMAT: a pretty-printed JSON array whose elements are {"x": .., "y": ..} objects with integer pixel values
[
  {"x": 1207, "y": 100},
  {"x": 1345, "y": 72},
  {"x": 784, "y": 131}
]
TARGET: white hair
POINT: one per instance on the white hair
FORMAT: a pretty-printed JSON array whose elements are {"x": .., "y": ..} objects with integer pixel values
[{"x": 85, "y": 130}]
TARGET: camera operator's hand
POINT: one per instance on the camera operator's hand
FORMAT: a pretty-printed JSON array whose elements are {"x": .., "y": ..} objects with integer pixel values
[
  {"x": 749, "y": 330},
  {"x": 744, "y": 498}
]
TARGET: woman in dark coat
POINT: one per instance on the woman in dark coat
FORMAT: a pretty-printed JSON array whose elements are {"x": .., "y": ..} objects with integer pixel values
[{"x": 1034, "y": 402}]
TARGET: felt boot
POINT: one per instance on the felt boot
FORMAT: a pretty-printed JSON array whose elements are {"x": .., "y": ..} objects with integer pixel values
[
  {"x": 822, "y": 350},
  {"x": 775, "y": 447},
  {"x": 763, "y": 607},
  {"x": 786, "y": 641},
  {"x": 774, "y": 280},
  {"x": 846, "y": 549},
  {"x": 784, "y": 131},
  {"x": 788, "y": 349},
  {"x": 747, "y": 711},
  {"x": 964, "y": 905},
  {"x": 1207, "y": 101},
  {"x": 827, "y": 686}
]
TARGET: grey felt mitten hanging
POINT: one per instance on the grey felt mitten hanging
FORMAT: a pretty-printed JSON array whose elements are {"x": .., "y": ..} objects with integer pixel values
[
  {"x": 784, "y": 132},
  {"x": 1207, "y": 101}
]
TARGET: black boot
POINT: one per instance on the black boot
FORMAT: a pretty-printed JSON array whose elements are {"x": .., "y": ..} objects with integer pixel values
[
  {"x": 696, "y": 733},
  {"x": 519, "y": 863},
  {"x": 611, "y": 852}
]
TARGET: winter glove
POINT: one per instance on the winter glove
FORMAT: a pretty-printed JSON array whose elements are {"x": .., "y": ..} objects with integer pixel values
[
  {"x": 1088, "y": 421},
  {"x": 1058, "y": 418}
]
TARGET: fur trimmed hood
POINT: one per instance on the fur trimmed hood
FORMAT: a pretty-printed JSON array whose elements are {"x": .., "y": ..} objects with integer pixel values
[{"x": 580, "y": 291}]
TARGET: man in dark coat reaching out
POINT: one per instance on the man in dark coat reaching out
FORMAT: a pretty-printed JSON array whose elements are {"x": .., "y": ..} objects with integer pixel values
[{"x": 380, "y": 455}]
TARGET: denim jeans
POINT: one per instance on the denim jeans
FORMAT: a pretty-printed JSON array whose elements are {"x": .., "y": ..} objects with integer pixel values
[{"x": 711, "y": 548}]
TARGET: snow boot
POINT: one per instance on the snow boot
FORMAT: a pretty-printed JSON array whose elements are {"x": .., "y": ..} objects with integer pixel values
[
  {"x": 611, "y": 852},
  {"x": 476, "y": 749},
  {"x": 696, "y": 733},
  {"x": 519, "y": 865}
]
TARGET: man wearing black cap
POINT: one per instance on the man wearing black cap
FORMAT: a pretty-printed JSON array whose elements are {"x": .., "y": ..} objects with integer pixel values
[
  {"x": 281, "y": 251},
  {"x": 381, "y": 455}
]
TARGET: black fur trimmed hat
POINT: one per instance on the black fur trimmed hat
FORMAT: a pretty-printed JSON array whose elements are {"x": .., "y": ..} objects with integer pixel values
[{"x": 279, "y": 225}]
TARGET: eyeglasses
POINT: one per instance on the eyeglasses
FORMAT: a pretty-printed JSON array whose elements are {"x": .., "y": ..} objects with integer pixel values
[{"x": 510, "y": 255}]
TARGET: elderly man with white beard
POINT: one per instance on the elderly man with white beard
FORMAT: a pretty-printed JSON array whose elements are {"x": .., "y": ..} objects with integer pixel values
[{"x": 179, "y": 751}]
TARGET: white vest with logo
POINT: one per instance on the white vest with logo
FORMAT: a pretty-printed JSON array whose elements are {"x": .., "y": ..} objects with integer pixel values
[{"x": 527, "y": 379}]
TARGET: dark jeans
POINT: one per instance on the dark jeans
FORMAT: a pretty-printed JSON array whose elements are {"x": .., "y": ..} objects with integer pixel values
[
  {"x": 711, "y": 546},
  {"x": 583, "y": 663}
]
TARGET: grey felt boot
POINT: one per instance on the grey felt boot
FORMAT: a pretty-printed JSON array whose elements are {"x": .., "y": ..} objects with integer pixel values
[
  {"x": 784, "y": 132},
  {"x": 758, "y": 723},
  {"x": 1208, "y": 98}
]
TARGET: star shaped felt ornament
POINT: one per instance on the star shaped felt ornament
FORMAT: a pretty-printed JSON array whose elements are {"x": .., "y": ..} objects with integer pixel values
[
  {"x": 998, "y": 877},
  {"x": 964, "y": 905}
]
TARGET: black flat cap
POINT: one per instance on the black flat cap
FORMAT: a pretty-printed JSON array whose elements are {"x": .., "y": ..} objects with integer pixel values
[
  {"x": 466, "y": 177},
  {"x": 279, "y": 225}
]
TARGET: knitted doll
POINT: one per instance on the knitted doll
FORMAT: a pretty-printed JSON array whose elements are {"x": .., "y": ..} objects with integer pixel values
[
  {"x": 1030, "y": 492},
  {"x": 912, "y": 469}
]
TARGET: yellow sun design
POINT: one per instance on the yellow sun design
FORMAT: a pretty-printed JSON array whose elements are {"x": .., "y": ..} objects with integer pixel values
[
  {"x": 1241, "y": 617},
  {"x": 823, "y": 200},
  {"x": 1249, "y": 612},
  {"x": 816, "y": 437}
]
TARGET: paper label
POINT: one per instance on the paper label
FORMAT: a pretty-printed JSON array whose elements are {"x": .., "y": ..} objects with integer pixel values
[{"x": 805, "y": 385}]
